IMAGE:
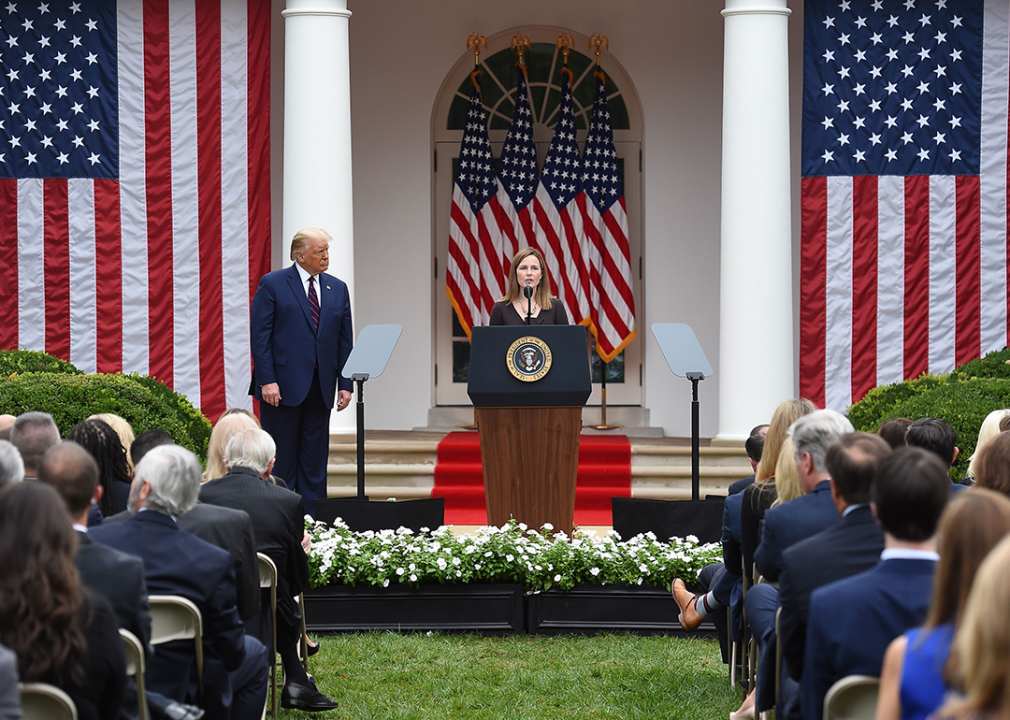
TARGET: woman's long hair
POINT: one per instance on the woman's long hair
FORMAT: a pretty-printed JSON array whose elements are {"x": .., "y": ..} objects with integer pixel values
[
  {"x": 99, "y": 439},
  {"x": 125, "y": 432},
  {"x": 542, "y": 296},
  {"x": 40, "y": 590},
  {"x": 785, "y": 415},
  {"x": 986, "y": 432},
  {"x": 787, "y": 475},
  {"x": 231, "y": 422}
]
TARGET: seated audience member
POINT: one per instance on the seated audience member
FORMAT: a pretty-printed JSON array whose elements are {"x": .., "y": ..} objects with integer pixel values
[
  {"x": 980, "y": 645},
  {"x": 62, "y": 634},
  {"x": 227, "y": 425},
  {"x": 938, "y": 437},
  {"x": 99, "y": 439},
  {"x": 1004, "y": 424},
  {"x": 852, "y": 546},
  {"x": 12, "y": 467},
  {"x": 6, "y": 423},
  {"x": 912, "y": 686},
  {"x": 278, "y": 519},
  {"x": 760, "y": 495},
  {"x": 123, "y": 429},
  {"x": 10, "y": 695},
  {"x": 989, "y": 429},
  {"x": 165, "y": 486},
  {"x": 754, "y": 446},
  {"x": 32, "y": 434},
  {"x": 852, "y": 621},
  {"x": 992, "y": 466},
  {"x": 893, "y": 431}
]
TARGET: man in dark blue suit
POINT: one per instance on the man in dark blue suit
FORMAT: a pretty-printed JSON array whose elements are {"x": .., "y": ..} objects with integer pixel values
[
  {"x": 165, "y": 486},
  {"x": 301, "y": 337},
  {"x": 852, "y": 621}
]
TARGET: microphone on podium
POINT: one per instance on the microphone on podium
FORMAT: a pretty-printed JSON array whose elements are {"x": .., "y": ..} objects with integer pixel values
[
  {"x": 528, "y": 294},
  {"x": 528, "y": 291}
]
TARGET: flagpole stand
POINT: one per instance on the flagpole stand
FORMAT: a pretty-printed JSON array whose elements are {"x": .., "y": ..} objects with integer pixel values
[{"x": 603, "y": 405}]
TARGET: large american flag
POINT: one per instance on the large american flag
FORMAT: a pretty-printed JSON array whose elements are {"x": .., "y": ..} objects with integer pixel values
[
  {"x": 517, "y": 176},
  {"x": 904, "y": 191},
  {"x": 134, "y": 186}
]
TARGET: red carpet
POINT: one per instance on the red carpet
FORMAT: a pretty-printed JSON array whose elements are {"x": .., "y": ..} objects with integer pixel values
[{"x": 604, "y": 472}]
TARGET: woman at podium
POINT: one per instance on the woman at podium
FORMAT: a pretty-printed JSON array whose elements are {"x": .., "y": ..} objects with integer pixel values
[{"x": 529, "y": 294}]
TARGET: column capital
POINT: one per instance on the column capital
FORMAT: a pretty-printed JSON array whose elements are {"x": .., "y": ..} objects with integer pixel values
[
  {"x": 756, "y": 7},
  {"x": 336, "y": 8}
]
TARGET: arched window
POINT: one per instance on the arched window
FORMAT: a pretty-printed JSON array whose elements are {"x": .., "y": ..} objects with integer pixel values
[{"x": 544, "y": 62}]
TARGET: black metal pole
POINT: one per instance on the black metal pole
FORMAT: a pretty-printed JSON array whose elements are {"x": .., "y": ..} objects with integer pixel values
[
  {"x": 361, "y": 437},
  {"x": 695, "y": 450},
  {"x": 529, "y": 307}
]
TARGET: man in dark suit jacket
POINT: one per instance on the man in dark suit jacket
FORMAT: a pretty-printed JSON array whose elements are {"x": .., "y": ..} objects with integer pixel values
[
  {"x": 301, "y": 338},
  {"x": 278, "y": 518},
  {"x": 939, "y": 437},
  {"x": 165, "y": 486},
  {"x": 853, "y": 620}
]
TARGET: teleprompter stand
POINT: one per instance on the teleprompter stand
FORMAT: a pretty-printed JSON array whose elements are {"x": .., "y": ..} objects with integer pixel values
[{"x": 529, "y": 430}]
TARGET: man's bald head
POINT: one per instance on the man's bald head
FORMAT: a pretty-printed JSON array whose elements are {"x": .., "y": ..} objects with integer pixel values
[
  {"x": 6, "y": 423},
  {"x": 73, "y": 472},
  {"x": 33, "y": 433}
]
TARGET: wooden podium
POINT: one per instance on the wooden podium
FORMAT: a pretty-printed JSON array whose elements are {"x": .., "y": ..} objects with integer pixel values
[{"x": 528, "y": 386}]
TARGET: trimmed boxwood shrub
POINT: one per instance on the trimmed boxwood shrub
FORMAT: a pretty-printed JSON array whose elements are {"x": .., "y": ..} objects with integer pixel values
[
  {"x": 33, "y": 361},
  {"x": 962, "y": 398},
  {"x": 142, "y": 401}
]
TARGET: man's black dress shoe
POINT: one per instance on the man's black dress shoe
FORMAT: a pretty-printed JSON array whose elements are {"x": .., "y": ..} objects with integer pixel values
[
  {"x": 312, "y": 649},
  {"x": 305, "y": 697},
  {"x": 179, "y": 711}
]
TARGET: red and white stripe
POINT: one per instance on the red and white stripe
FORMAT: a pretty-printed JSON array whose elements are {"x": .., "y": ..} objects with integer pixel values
[
  {"x": 474, "y": 275},
  {"x": 561, "y": 239},
  {"x": 154, "y": 273}
]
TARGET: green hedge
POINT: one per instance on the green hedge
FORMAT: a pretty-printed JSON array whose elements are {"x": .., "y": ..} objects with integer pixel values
[
  {"x": 962, "y": 398},
  {"x": 70, "y": 398},
  {"x": 32, "y": 361}
]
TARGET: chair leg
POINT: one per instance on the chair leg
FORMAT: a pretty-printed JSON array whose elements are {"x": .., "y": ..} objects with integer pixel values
[{"x": 732, "y": 664}]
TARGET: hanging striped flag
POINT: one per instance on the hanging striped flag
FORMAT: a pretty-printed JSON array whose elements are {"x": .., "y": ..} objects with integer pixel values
[
  {"x": 904, "y": 191},
  {"x": 134, "y": 186},
  {"x": 605, "y": 221},
  {"x": 517, "y": 177},
  {"x": 559, "y": 233},
  {"x": 473, "y": 276}
]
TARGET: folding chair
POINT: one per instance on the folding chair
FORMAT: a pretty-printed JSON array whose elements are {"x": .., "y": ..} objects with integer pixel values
[
  {"x": 303, "y": 644},
  {"x": 176, "y": 618},
  {"x": 41, "y": 701},
  {"x": 135, "y": 668},
  {"x": 852, "y": 698},
  {"x": 268, "y": 579}
]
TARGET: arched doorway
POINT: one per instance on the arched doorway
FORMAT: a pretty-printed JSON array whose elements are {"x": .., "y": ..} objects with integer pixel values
[{"x": 544, "y": 63}]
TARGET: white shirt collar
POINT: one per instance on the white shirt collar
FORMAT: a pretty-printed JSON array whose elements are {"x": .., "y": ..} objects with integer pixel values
[
  {"x": 81, "y": 528},
  {"x": 908, "y": 554},
  {"x": 304, "y": 276}
]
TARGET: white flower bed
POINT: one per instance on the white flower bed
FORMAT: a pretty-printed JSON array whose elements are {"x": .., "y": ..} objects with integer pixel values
[{"x": 512, "y": 553}]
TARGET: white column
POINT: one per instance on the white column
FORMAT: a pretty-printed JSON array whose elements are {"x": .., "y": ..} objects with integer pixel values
[
  {"x": 317, "y": 137},
  {"x": 756, "y": 356}
]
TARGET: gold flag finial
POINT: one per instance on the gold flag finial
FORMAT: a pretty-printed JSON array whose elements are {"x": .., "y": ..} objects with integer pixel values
[
  {"x": 565, "y": 45},
  {"x": 520, "y": 44},
  {"x": 598, "y": 42},
  {"x": 475, "y": 41}
]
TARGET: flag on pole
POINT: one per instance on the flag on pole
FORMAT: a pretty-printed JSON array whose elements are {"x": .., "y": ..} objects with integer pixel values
[
  {"x": 517, "y": 177},
  {"x": 473, "y": 276},
  {"x": 605, "y": 221},
  {"x": 904, "y": 191},
  {"x": 134, "y": 186},
  {"x": 559, "y": 233}
]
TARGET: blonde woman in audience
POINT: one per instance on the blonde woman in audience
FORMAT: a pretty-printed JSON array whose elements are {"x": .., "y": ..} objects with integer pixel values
[
  {"x": 787, "y": 475},
  {"x": 981, "y": 650},
  {"x": 233, "y": 421},
  {"x": 912, "y": 680},
  {"x": 123, "y": 430},
  {"x": 992, "y": 465},
  {"x": 990, "y": 429}
]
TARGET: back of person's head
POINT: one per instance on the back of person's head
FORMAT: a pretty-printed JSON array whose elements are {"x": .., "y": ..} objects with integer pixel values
[
  {"x": 73, "y": 472},
  {"x": 910, "y": 491},
  {"x": 40, "y": 592},
  {"x": 146, "y": 441},
  {"x": 173, "y": 473},
  {"x": 123, "y": 429},
  {"x": 992, "y": 465},
  {"x": 852, "y": 464},
  {"x": 981, "y": 650},
  {"x": 893, "y": 432},
  {"x": 229, "y": 424},
  {"x": 32, "y": 434},
  {"x": 986, "y": 432},
  {"x": 816, "y": 432},
  {"x": 1004, "y": 423},
  {"x": 6, "y": 423},
  {"x": 971, "y": 526},
  {"x": 785, "y": 415},
  {"x": 787, "y": 476},
  {"x": 250, "y": 448},
  {"x": 12, "y": 467},
  {"x": 99, "y": 439},
  {"x": 935, "y": 435},
  {"x": 754, "y": 445}
]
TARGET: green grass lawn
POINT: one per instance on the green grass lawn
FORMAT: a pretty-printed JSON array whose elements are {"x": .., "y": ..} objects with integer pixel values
[{"x": 386, "y": 675}]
